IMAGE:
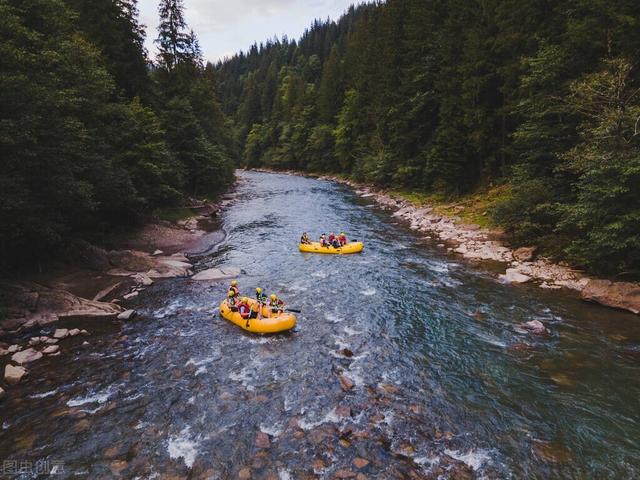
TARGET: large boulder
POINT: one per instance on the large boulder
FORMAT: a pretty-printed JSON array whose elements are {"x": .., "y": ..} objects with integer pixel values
[
  {"x": 214, "y": 274},
  {"x": 524, "y": 254},
  {"x": 13, "y": 375},
  {"x": 624, "y": 295},
  {"x": 514, "y": 276},
  {"x": 26, "y": 356}
]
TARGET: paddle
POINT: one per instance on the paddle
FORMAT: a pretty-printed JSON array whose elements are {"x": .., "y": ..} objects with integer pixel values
[{"x": 294, "y": 310}]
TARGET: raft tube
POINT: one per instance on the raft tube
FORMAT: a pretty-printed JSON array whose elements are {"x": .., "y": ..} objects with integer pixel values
[
  {"x": 315, "y": 247},
  {"x": 267, "y": 323}
]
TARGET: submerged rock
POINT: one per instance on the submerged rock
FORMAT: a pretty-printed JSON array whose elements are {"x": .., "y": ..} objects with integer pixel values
[
  {"x": 346, "y": 383},
  {"x": 51, "y": 349}
]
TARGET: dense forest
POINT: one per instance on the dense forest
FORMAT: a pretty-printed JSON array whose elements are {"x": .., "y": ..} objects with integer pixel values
[
  {"x": 93, "y": 135},
  {"x": 454, "y": 96}
]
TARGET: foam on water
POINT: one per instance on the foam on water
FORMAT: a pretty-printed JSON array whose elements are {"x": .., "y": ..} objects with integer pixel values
[
  {"x": 474, "y": 459},
  {"x": 330, "y": 417},
  {"x": 333, "y": 318},
  {"x": 98, "y": 397},
  {"x": 182, "y": 446},
  {"x": 368, "y": 292},
  {"x": 243, "y": 376},
  {"x": 273, "y": 430},
  {"x": 284, "y": 475},
  {"x": 320, "y": 274},
  {"x": 350, "y": 331},
  {"x": 45, "y": 394}
]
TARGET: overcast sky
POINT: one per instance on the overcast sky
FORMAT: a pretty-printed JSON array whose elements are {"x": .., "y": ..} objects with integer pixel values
[{"x": 225, "y": 27}]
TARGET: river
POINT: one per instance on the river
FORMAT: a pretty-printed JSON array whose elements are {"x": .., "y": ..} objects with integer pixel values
[{"x": 443, "y": 384}]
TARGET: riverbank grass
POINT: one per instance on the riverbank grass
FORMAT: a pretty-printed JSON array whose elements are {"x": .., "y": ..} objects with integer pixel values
[
  {"x": 472, "y": 208},
  {"x": 173, "y": 214}
]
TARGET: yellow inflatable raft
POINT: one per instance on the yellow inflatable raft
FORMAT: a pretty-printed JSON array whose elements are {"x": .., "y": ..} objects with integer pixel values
[
  {"x": 315, "y": 247},
  {"x": 267, "y": 323}
]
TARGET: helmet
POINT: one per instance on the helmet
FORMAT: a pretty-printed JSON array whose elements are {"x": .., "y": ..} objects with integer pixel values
[
  {"x": 231, "y": 293},
  {"x": 342, "y": 233},
  {"x": 273, "y": 296},
  {"x": 234, "y": 283},
  {"x": 245, "y": 299},
  {"x": 258, "y": 290}
]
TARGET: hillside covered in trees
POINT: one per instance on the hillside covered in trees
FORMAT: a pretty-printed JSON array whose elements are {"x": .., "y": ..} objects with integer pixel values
[
  {"x": 93, "y": 135},
  {"x": 451, "y": 96}
]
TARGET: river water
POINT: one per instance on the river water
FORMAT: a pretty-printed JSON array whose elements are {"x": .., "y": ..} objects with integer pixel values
[{"x": 443, "y": 384}]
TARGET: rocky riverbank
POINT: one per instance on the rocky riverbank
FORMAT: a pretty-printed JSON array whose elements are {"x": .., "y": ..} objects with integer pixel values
[
  {"x": 472, "y": 242},
  {"x": 95, "y": 283}
]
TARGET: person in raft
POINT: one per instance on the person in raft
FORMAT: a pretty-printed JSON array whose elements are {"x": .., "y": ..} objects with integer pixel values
[
  {"x": 232, "y": 300},
  {"x": 323, "y": 241},
  {"x": 234, "y": 287},
  {"x": 275, "y": 304},
  {"x": 261, "y": 301},
  {"x": 304, "y": 239},
  {"x": 342, "y": 239},
  {"x": 244, "y": 309},
  {"x": 332, "y": 238}
]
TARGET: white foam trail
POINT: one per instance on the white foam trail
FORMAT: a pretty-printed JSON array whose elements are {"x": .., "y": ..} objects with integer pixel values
[
  {"x": 475, "y": 460},
  {"x": 45, "y": 394},
  {"x": 330, "y": 417},
  {"x": 273, "y": 430},
  {"x": 100, "y": 397},
  {"x": 284, "y": 475},
  {"x": 333, "y": 318},
  {"x": 368, "y": 292},
  {"x": 320, "y": 274},
  {"x": 181, "y": 446},
  {"x": 350, "y": 331},
  {"x": 242, "y": 376}
]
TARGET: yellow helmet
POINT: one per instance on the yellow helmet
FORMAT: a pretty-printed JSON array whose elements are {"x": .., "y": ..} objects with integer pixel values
[
  {"x": 341, "y": 233},
  {"x": 258, "y": 290},
  {"x": 231, "y": 293},
  {"x": 234, "y": 283},
  {"x": 273, "y": 296},
  {"x": 245, "y": 299}
]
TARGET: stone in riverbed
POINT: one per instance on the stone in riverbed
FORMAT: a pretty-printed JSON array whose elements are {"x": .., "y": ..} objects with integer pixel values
[
  {"x": 262, "y": 440},
  {"x": 524, "y": 254},
  {"x": 2, "y": 394},
  {"x": 127, "y": 315},
  {"x": 624, "y": 295},
  {"x": 360, "y": 462},
  {"x": 26, "y": 356},
  {"x": 346, "y": 383},
  {"x": 74, "y": 331},
  {"x": 533, "y": 326},
  {"x": 13, "y": 375},
  {"x": 214, "y": 274},
  {"x": 514, "y": 276},
  {"x": 131, "y": 295},
  {"x": 51, "y": 349},
  {"x": 157, "y": 252},
  {"x": 61, "y": 333},
  {"x": 14, "y": 349}
]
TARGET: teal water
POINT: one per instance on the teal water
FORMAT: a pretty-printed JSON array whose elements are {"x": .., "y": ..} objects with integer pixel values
[{"x": 444, "y": 385}]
